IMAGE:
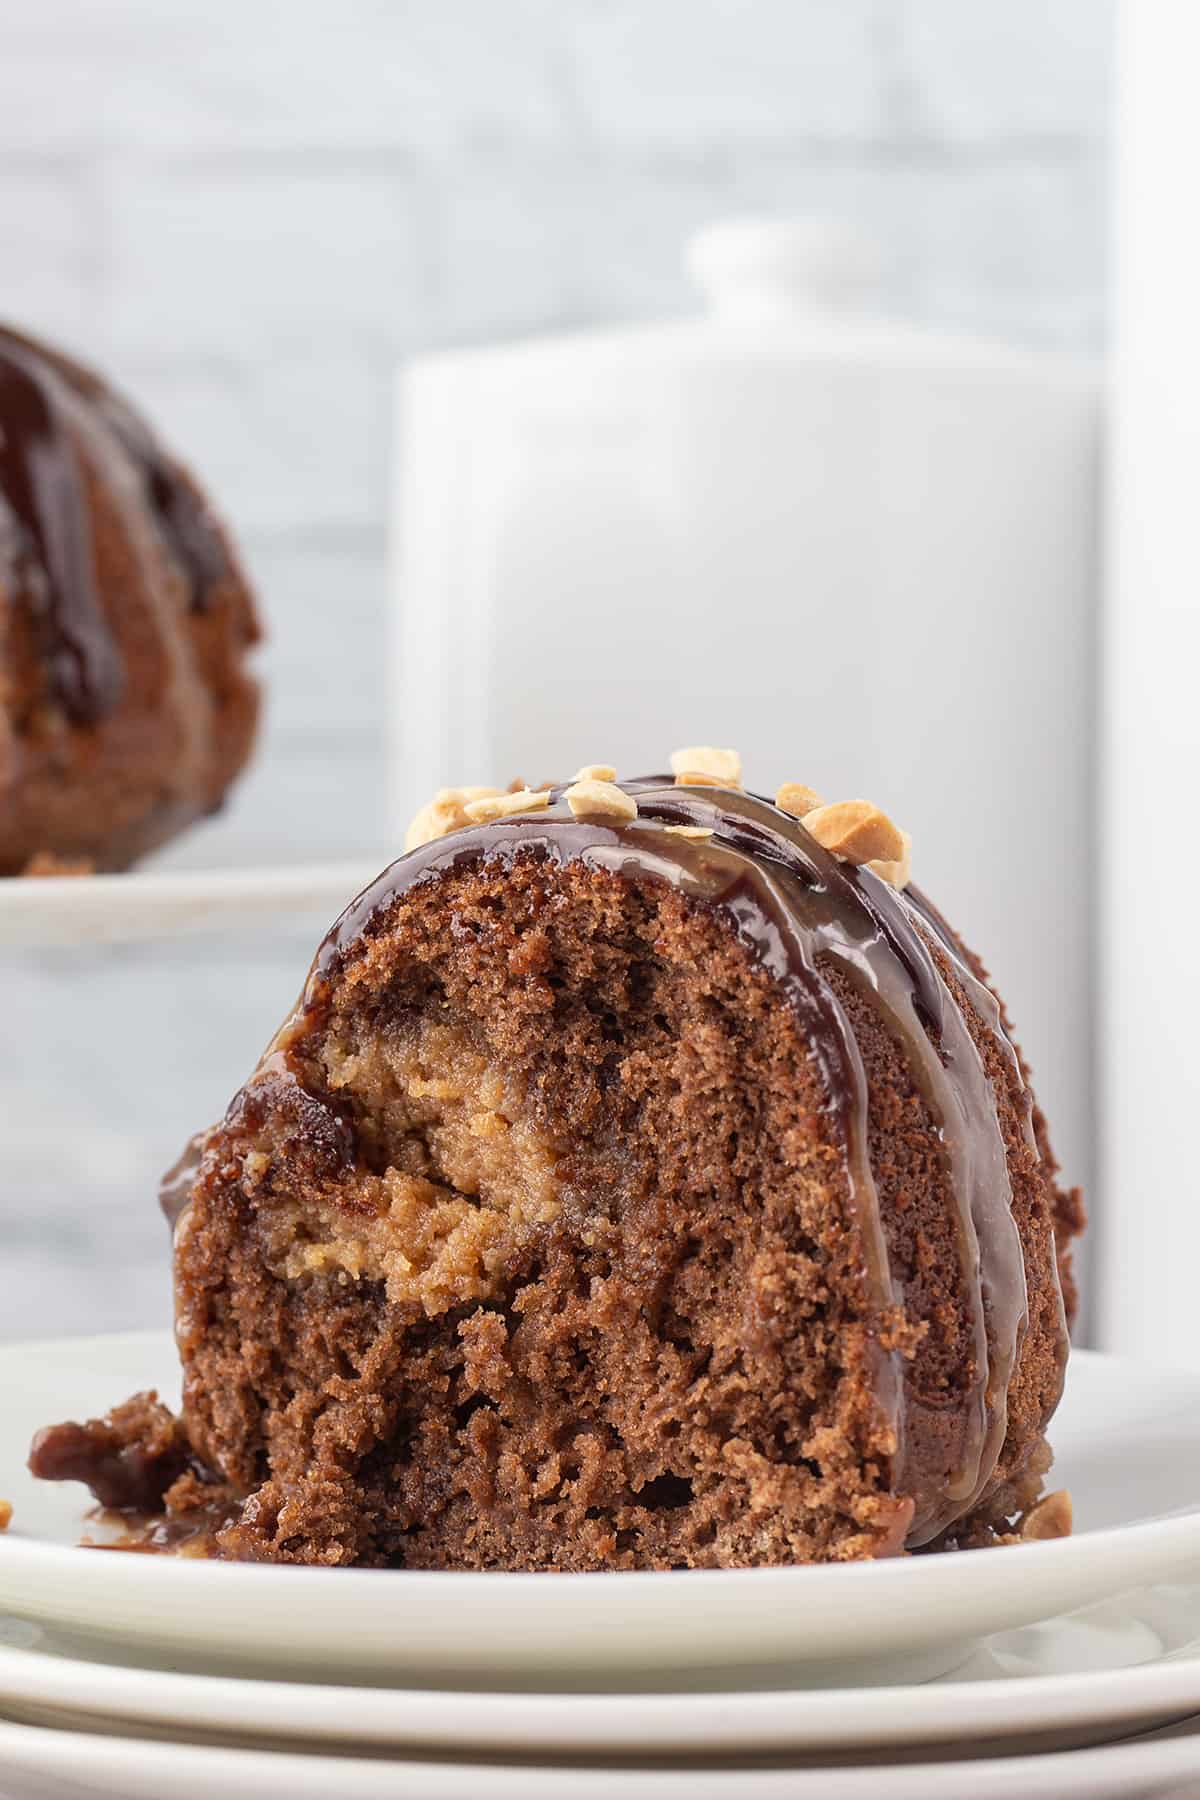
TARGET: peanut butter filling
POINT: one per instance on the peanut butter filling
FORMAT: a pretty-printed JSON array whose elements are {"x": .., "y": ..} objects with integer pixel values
[{"x": 467, "y": 1175}]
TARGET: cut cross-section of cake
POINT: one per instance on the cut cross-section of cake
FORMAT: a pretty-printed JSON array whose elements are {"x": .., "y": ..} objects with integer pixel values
[{"x": 647, "y": 1178}]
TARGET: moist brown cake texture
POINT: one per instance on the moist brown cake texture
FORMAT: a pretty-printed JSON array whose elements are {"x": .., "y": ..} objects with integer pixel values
[
  {"x": 537, "y": 1240},
  {"x": 126, "y": 709}
]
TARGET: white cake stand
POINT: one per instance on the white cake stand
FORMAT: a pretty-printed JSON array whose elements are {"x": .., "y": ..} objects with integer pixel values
[{"x": 36, "y": 913}]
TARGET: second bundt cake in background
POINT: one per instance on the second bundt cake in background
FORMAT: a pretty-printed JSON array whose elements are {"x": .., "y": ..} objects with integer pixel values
[{"x": 126, "y": 707}]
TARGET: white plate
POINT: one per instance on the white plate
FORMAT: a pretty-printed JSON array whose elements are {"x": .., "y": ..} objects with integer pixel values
[
  {"x": 1128, "y": 1449},
  {"x": 1096, "y": 1675},
  {"x": 162, "y": 903},
  {"x": 68, "y": 1765}
]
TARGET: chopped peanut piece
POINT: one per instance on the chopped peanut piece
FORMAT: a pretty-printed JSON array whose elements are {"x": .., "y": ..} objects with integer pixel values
[
  {"x": 690, "y": 831},
  {"x": 5, "y": 1514},
  {"x": 793, "y": 797},
  {"x": 596, "y": 772},
  {"x": 704, "y": 766},
  {"x": 445, "y": 813},
  {"x": 600, "y": 800},
  {"x": 856, "y": 831},
  {"x": 1050, "y": 1518},
  {"x": 897, "y": 872},
  {"x": 505, "y": 806}
]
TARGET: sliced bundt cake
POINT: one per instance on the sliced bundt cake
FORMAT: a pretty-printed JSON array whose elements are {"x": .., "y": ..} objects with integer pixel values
[
  {"x": 646, "y": 1178},
  {"x": 125, "y": 706}
]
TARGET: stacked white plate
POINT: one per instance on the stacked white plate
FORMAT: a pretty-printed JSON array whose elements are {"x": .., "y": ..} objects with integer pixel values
[{"x": 1065, "y": 1668}]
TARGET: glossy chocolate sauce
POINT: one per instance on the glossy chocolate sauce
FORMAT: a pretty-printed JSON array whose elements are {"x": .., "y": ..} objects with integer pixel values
[
  {"x": 129, "y": 1460},
  {"x": 800, "y": 912},
  {"x": 125, "y": 1475},
  {"x": 48, "y": 545},
  {"x": 175, "y": 1188}
]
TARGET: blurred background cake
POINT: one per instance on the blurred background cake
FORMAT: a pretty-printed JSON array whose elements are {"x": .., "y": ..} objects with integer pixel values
[{"x": 126, "y": 707}]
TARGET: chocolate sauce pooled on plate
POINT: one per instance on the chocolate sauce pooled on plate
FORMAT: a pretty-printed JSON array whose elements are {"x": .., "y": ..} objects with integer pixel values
[
  {"x": 799, "y": 911},
  {"x": 163, "y": 1534},
  {"x": 50, "y": 547},
  {"x": 130, "y": 1459}
]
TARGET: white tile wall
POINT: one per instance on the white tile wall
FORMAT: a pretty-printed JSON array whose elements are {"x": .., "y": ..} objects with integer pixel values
[
  {"x": 261, "y": 255},
  {"x": 675, "y": 76},
  {"x": 978, "y": 74},
  {"x": 250, "y": 213},
  {"x": 292, "y": 441}
]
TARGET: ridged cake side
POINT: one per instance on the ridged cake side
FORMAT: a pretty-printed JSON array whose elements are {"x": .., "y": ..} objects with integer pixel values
[{"x": 126, "y": 707}]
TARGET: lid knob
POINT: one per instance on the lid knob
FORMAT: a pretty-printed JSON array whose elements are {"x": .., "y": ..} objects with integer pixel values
[{"x": 762, "y": 268}]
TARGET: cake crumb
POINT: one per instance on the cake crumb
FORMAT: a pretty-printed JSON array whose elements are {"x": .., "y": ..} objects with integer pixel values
[
  {"x": 5, "y": 1514},
  {"x": 689, "y": 831},
  {"x": 596, "y": 772},
  {"x": 600, "y": 800},
  {"x": 703, "y": 765},
  {"x": 488, "y": 1125},
  {"x": 506, "y": 806}
]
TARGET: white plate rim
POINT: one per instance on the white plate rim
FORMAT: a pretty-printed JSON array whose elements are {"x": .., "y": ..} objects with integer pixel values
[
  {"x": 50, "y": 1582},
  {"x": 136, "y": 1599},
  {"x": 900, "y": 1608}
]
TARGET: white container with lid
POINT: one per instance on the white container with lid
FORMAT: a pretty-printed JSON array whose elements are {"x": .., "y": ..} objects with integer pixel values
[{"x": 861, "y": 553}]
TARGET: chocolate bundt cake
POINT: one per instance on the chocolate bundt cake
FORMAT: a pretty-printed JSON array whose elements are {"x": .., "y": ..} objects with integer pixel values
[
  {"x": 646, "y": 1178},
  {"x": 125, "y": 705}
]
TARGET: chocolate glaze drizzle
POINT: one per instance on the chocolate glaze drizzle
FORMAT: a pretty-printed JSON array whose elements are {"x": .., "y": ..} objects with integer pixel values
[
  {"x": 179, "y": 510},
  {"x": 800, "y": 913},
  {"x": 43, "y": 492},
  {"x": 175, "y": 1188},
  {"x": 42, "y": 489},
  {"x": 182, "y": 515}
]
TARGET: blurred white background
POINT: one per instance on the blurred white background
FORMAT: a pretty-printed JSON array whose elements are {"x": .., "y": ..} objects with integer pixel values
[{"x": 249, "y": 214}]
